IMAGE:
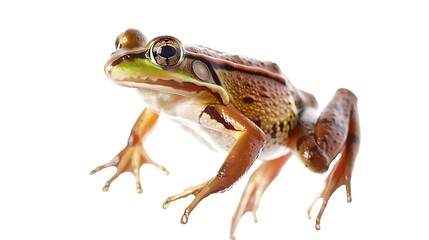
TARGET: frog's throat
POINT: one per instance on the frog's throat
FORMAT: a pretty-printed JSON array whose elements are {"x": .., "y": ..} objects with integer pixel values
[{"x": 184, "y": 88}]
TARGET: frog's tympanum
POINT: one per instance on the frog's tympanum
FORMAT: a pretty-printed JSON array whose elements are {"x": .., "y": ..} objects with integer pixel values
[{"x": 233, "y": 103}]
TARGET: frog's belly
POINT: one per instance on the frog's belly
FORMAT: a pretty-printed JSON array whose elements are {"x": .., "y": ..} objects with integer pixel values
[
  {"x": 187, "y": 112},
  {"x": 222, "y": 142},
  {"x": 215, "y": 140}
]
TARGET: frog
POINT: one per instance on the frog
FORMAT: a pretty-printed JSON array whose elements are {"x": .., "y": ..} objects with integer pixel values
[{"x": 243, "y": 106}]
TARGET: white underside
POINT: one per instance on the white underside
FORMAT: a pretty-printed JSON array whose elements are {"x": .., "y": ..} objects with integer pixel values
[{"x": 187, "y": 113}]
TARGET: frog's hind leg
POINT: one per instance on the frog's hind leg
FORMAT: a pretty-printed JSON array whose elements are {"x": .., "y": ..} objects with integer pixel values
[
  {"x": 258, "y": 182},
  {"x": 317, "y": 143}
]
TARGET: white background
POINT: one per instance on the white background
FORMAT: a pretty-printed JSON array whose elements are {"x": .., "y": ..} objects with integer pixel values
[{"x": 61, "y": 117}]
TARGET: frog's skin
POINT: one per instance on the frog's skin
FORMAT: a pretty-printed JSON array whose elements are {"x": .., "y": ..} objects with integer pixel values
[{"x": 242, "y": 105}]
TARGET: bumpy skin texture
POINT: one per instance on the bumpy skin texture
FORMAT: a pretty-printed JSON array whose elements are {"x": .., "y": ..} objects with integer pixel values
[
  {"x": 247, "y": 103},
  {"x": 259, "y": 91},
  {"x": 269, "y": 104}
]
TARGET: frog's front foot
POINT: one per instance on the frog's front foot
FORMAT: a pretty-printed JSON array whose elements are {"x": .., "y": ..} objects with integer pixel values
[
  {"x": 130, "y": 159},
  {"x": 249, "y": 141}
]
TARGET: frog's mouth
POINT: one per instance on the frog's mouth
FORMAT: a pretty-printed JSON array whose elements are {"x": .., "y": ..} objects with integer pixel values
[
  {"x": 140, "y": 72},
  {"x": 172, "y": 86}
]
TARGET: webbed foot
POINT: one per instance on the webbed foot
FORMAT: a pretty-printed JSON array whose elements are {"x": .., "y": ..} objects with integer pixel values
[
  {"x": 130, "y": 159},
  {"x": 340, "y": 175},
  {"x": 255, "y": 188}
]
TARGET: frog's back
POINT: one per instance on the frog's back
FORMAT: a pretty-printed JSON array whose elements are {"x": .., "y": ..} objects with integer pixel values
[{"x": 260, "y": 92}]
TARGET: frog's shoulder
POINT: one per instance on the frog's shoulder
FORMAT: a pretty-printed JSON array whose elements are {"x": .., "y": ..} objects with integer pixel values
[{"x": 267, "y": 65}]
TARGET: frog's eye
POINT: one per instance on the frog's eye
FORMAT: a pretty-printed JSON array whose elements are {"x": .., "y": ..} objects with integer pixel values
[
  {"x": 166, "y": 52},
  {"x": 118, "y": 44},
  {"x": 130, "y": 39}
]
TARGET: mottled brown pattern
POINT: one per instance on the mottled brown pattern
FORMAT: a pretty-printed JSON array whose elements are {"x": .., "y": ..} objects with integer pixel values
[{"x": 267, "y": 103}]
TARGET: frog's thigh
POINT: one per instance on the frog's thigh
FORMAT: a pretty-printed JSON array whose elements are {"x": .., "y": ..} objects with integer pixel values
[{"x": 318, "y": 142}]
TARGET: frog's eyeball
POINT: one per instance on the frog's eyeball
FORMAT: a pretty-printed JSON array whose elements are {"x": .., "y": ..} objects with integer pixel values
[
  {"x": 166, "y": 52},
  {"x": 132, "y": 38}
]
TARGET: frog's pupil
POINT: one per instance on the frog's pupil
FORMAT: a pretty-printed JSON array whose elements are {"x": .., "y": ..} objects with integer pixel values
[
  {"x": 117, "y": 44},
  {"x": 166, "y": 51}
]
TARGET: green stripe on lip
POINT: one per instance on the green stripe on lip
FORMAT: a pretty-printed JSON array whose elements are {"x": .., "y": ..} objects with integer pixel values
[{"x": 129, "y": 57}]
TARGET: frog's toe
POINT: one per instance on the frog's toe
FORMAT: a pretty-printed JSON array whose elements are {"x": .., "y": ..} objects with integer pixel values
[
  {"x": 136, "y": 173},
  {"x": 113, "y": 162},
  {"x": 339, "y": 175},
  {"x": 107, "y": 185},
  {"x": 192, "y": 190},
  {"x": 149, "y": 161},
  {"x": 249, "y": 202}
]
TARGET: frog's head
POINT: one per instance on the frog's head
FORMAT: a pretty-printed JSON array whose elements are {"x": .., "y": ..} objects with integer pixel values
[{"x": 162, "y": 64}]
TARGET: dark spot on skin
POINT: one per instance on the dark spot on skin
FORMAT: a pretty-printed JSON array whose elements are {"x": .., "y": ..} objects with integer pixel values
[
  {"x": 302, "y": 139},
  {"x": 353, "y": 138},
  {"x": 325, "y": 142},
  {"x": 339, "y": 126},
  {"x": 264, "y": 94},
  {"x": 248, "y": 100},
  {"x": 281, "y": 126},
  {"x": 328, "y": 121},
  {"x": 263, "y": 88},
  {"x": 289, "y": 124},
  {"x": 274, "y": 131},
  {"x": 257, "y": 122},
  {"x": 314, "y": 148},
  {"x": 214, "y": 114}
]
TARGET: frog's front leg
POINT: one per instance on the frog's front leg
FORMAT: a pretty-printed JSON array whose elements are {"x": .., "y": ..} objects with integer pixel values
[
  {"x": 133, "y": 156},
  {"x": 246, "y": 148},
  {"x": 317, "y": 143}
]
